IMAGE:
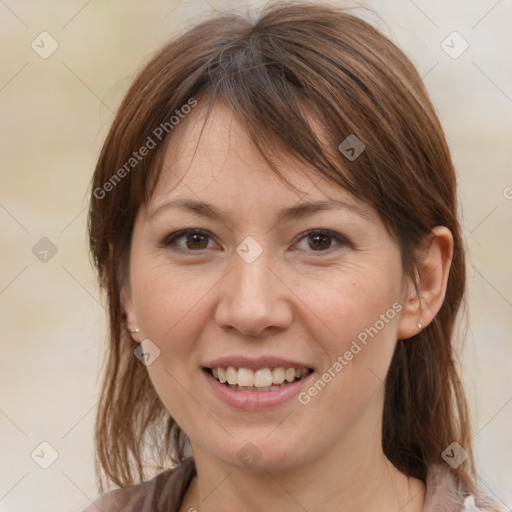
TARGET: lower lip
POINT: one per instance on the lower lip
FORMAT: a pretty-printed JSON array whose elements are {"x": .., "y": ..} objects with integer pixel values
[{"x": 254, "y": 400}]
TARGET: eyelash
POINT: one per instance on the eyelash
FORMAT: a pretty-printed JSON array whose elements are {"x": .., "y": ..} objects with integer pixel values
[{"x": 173, "y": 237}]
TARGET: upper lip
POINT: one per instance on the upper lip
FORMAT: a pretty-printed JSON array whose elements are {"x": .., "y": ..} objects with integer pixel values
[{"x": 255, "y": 363}]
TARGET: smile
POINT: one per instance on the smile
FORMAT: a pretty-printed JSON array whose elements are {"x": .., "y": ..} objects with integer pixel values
[{"x": 263, "y": 379}]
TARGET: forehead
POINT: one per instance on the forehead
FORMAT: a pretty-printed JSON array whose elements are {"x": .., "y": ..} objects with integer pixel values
[{"x": 213, "y": 158}]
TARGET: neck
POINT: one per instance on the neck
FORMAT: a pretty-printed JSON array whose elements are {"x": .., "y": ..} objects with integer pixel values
[{"x": 380, "y": 487}]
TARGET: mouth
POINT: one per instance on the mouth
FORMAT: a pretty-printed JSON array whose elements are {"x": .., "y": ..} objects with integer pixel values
[{"x": 259, "y": 380}]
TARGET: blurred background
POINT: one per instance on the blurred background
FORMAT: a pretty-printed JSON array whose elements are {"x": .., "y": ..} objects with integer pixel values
[{"x": 64, "y": 69}]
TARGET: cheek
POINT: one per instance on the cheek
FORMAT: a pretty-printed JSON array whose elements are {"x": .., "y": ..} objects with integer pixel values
[
  {"x": 346, "y": 303},
  {"x": 169, "y": 308},
  {"x": 359, "y": 315},
  {"x": 167, "y": 300}
]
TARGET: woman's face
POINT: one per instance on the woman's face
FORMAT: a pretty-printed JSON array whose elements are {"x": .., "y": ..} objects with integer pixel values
[{"x": 252, "y": 290}]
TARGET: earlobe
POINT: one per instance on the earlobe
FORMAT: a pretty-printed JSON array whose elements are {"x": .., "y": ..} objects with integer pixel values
[
  {"x": 426, "y": 295},
  {"x": 129, "y": 314}
]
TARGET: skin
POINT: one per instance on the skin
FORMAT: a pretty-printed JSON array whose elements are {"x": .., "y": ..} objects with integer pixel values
[{"x": 301, "y": 298}]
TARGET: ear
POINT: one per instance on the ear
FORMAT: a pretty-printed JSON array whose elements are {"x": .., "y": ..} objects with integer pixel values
[
  {"x": 129, "y": 311},
  {"x": 425, "y": 297}
]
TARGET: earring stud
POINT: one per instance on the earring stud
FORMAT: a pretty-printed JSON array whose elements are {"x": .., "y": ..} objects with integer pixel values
[
  {"x": 419, "y": 325},
  {"x": 133, "y": 331}
]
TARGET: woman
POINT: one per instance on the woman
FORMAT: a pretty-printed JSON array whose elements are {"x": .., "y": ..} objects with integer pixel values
[{"x": 274, "y": 221}]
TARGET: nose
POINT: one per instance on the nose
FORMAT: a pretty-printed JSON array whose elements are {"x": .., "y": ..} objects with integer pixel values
[{"x": 254, "y": 300}]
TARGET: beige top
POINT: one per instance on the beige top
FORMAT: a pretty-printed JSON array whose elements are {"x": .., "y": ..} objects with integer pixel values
[{"x": 165, "y": 491}]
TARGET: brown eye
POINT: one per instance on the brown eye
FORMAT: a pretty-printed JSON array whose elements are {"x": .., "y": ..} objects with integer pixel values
[
  {"x": 321, "y": 241},
  {"x": 194, "y": 240}
]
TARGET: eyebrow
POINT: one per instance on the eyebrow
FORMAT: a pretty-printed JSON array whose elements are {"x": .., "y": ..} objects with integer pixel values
[{"x": 286, "y": 214}]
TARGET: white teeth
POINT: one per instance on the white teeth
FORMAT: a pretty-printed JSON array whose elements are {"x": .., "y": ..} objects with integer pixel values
[
  {"x": 278, "y": 375},
  {"x": 289, "y": 374},
  {"x": 245, "y": 377},
  {"x": 231, "y": 375},
  {"x": 263, "y": 379}
]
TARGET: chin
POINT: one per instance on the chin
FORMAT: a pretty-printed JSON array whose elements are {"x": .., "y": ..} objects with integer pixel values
[{"x": 261, "y": 454}]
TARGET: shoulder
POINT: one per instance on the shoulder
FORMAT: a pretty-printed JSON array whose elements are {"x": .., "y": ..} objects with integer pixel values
[
  {"x": 162, "y": 492},
  {"x": 445, "y": 494}
]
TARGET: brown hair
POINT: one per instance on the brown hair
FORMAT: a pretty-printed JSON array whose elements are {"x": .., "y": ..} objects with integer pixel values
[{"x": 294, "y": 60}]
